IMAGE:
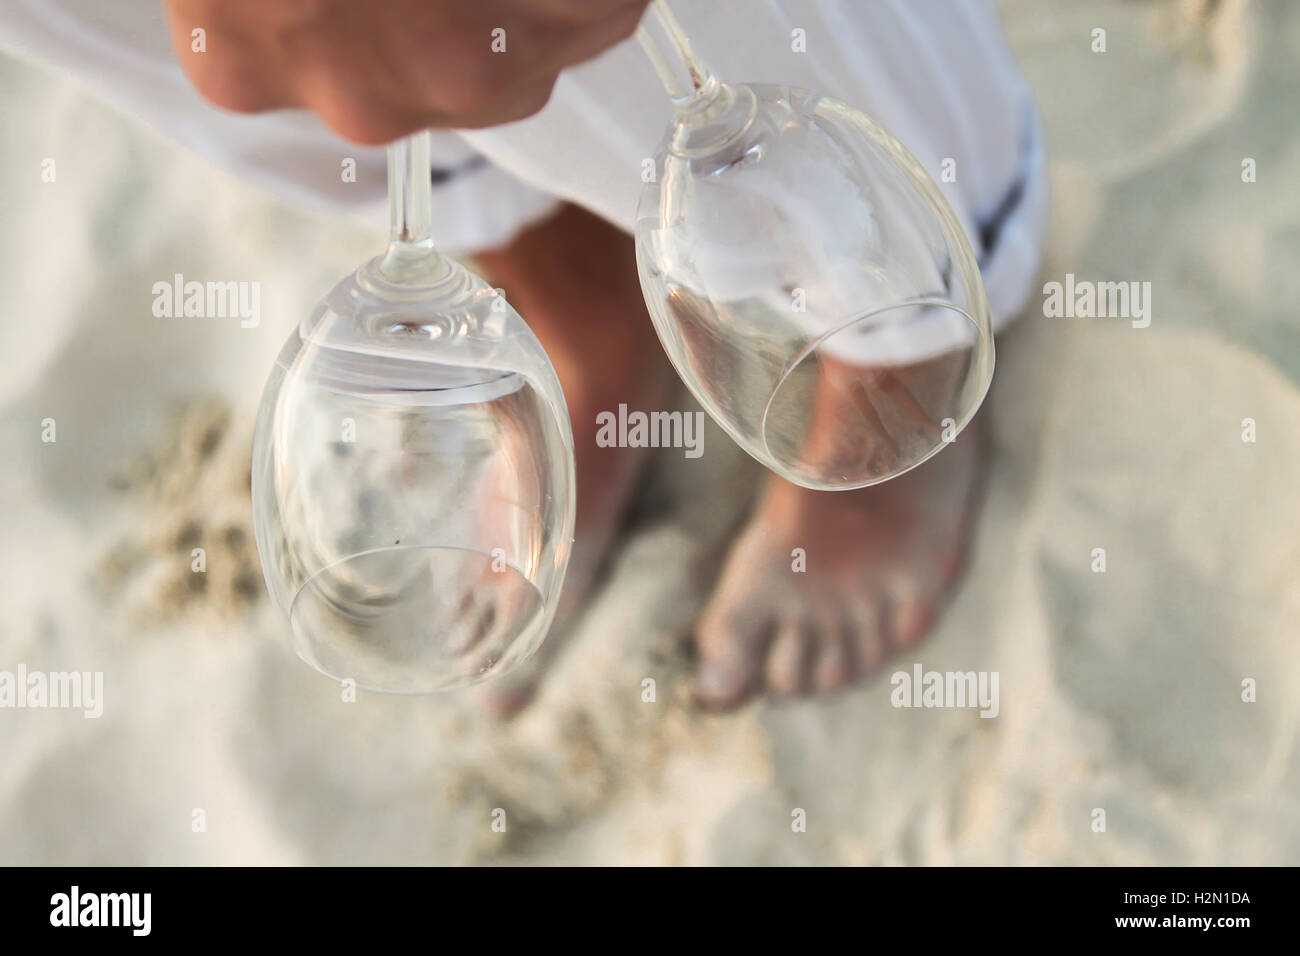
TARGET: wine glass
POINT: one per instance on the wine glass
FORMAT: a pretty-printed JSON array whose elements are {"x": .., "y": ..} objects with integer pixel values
[
  {"x": 807, "y": 277},
  {"x": 413, "y": 474}
]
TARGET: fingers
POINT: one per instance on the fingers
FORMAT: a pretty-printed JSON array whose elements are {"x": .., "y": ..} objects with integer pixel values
[
  {"x": 567, "y": 48},
  {"x": 375, "y": 72},
  {"x": 226, "y": 57}
]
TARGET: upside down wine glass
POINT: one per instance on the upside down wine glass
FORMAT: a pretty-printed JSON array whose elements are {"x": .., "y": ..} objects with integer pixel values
[
  {"x": 807, "y": 277},
  {"x": 413, "y": 475}
]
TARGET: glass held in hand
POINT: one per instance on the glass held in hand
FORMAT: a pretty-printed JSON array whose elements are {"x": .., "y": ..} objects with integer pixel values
[
  {"x": 806, "y": 276},
  {"x": 413, "y": 475}
]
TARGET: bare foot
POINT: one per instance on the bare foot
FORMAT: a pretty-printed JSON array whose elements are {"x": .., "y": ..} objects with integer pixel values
[
  {"x": 573, "y": 279},
  {"x": 879, "y": 563}
]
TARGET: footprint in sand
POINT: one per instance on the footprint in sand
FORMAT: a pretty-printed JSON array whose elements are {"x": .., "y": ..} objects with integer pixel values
[
  {"x": 191, "y": 551},
  {"x": 1192, "y": 62},
  {"x": 1200, "y": 531}
]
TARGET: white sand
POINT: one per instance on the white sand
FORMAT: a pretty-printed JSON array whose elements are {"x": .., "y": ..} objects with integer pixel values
[{"x": 1119, "y": 691}]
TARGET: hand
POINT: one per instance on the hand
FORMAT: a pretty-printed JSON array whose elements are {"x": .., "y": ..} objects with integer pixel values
[{"x": 377, "y": 71}]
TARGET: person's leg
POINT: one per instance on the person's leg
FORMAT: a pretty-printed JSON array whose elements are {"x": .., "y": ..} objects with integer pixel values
[{"x": 573, "y": 279}]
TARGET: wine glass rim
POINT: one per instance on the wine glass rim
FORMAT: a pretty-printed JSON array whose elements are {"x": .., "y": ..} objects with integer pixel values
[
  {"x": 303, "y": 644},
  {"x": 817, "y": 343}
]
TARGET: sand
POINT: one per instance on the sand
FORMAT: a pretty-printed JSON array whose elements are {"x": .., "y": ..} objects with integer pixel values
[{"x": 1120, "y": 691}]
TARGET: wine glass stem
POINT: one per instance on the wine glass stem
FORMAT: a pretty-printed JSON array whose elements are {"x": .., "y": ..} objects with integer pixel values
[
  {"x": 410, "y": 192},
  {"x": 669, "y": 50},
  {"x": 411, "y": 256}
]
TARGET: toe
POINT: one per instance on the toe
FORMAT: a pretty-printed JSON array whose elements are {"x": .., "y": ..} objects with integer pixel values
[
  {"x": 732, "y": 648},
  {"x": 787, "y": 665},
  {"x": 910, "y": 619},
  {"x": 481, "y": 624},
  {"x": 834, "y": 667},
  {"x": 467, "y": 630},
  {"x": 868, "y": 639}
]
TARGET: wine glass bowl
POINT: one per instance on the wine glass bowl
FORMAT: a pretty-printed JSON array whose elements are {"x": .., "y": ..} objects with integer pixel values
[
  {"x": 413, "y": 475},
  {"x": 811, "y": 285},
  {"x": 413, "y": 485}
]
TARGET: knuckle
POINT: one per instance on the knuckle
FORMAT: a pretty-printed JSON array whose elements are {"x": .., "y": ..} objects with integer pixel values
[
  {"x": 471, "y": 85},
  {"x": 233, "y": 88},
  {"x": 368, "y": 127}
]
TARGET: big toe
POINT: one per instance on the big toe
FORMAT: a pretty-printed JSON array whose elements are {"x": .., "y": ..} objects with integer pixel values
[{"x": 732, "y": 646}]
